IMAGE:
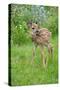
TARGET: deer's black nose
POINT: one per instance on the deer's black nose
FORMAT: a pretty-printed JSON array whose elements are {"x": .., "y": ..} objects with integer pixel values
[{"x": 33, "y": 28}]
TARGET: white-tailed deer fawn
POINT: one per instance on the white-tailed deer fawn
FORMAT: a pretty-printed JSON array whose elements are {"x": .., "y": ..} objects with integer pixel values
[{"x": 41, "y": 37}]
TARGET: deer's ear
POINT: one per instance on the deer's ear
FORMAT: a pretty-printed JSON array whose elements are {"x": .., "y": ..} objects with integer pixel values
[
  {"x": 36, "y": 22},
  {"x": 29, "y": 24}
]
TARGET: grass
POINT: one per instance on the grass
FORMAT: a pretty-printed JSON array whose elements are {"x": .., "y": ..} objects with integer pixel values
[{"x": 23, "y": 72}]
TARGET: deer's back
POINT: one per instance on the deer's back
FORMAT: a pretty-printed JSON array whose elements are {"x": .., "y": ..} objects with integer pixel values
[{"x": 42, "y": 37}]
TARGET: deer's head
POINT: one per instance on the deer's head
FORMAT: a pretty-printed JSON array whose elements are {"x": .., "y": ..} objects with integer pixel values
[{"x": 33, "y": 26}]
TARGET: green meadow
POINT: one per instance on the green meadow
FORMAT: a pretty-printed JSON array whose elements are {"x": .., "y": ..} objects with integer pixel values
[{"x": 23, "y": 72}]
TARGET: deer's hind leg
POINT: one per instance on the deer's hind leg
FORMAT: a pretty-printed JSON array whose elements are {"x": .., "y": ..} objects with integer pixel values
[
  {"x": 50, "y": 51},
  {"x": 50, "y": 55}
]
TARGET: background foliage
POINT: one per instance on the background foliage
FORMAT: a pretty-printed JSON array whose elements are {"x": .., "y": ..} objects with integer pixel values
[{"x": 45, "y": 16}]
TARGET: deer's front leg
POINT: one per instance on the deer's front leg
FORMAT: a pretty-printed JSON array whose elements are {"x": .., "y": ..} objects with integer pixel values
[
  {"x": 33, "y": 52},
  {"x": 43, "y": 56}
]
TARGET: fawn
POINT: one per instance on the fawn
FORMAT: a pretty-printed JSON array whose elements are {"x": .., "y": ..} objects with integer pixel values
[{"x": 41, "y": 37}]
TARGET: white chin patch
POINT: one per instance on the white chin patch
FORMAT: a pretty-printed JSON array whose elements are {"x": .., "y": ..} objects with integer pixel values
[{"x": 34, "y": 30}]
